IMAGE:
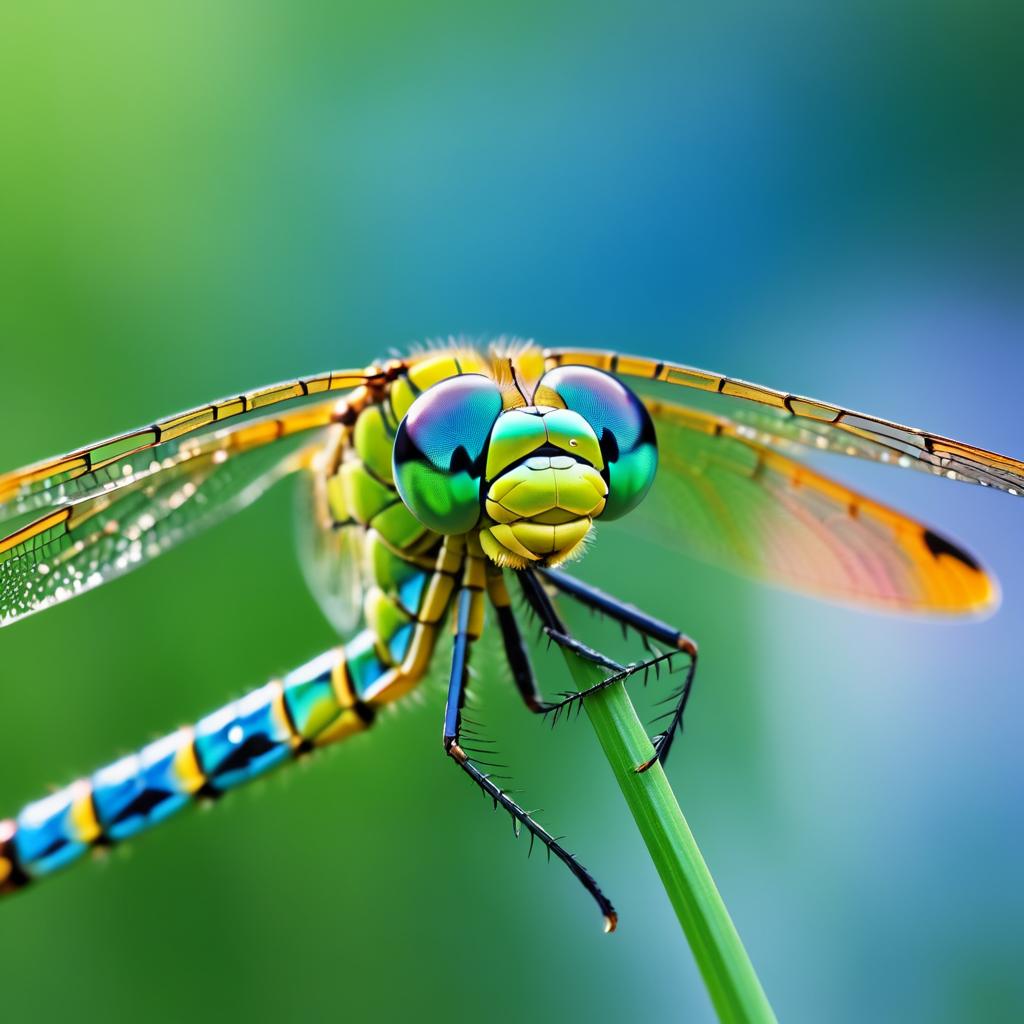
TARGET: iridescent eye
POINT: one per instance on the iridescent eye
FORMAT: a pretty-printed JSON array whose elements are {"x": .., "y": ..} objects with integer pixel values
[
  {"x": 623, "y": 427},
  {"x": 439, "y": 451}
]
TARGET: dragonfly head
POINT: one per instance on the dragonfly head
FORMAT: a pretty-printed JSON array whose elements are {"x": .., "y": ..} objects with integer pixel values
[{"x": 530, "y": 476}]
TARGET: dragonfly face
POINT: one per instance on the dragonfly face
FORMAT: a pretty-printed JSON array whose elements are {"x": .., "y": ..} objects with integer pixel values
[{"x": 531, "y": 478}]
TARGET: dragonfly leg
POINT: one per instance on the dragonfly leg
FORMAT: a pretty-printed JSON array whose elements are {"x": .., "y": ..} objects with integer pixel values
[
  {"x": 650, "y": 628},
  {"x": 466, "y": 632},
  {"x": 552, "y": 624},
  {"x": 515, "y": 650}
]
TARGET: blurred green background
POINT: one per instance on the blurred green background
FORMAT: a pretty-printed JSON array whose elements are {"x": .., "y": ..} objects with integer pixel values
[{"x": 199, "y": 198}]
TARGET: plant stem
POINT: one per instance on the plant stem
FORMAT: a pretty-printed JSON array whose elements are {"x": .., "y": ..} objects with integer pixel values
[{"x": 732, "y": 983}]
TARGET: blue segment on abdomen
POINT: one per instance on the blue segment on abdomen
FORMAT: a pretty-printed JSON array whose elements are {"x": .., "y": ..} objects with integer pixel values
[
  {"x": 45, "y": 839},
  {"x": 410, "y": 591},
  {"x": 140, "y": 790},
  {"x": 119, "y": 795},
  {"x": 241, "y": 740},
  {"x": 126, "y": 801},
  {"x": 162, "y": 787},
  {"x": 309, "y": 695},
  {"x": 361, "y": 661},
  {"x": 398, "y": 645}
]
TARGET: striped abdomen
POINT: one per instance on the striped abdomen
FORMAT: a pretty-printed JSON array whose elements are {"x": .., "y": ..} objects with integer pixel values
[
  {"x": 312, "y": 706},
  {"x": 326, "y": 700}
]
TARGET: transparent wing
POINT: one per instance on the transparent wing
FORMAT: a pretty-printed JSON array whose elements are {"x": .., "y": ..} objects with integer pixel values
[
  {"x": 732, "y": 501},
  {"x": 120, "y": 460},
  {"x": 791, "y": 423},
  {"x": 331, "y": 554},
  {"x": 84, "y": 543}
]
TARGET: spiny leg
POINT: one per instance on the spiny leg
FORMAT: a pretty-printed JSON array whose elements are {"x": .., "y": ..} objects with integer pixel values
[
  {"x": 552, "y": 625},
  {"x": 538, "y": 600},
  {"x": 515, "y": 649},
  {"x": 465, "y": 633},
  {"x": 555, "y": 629},
  {"x": 651, "y": 629}
]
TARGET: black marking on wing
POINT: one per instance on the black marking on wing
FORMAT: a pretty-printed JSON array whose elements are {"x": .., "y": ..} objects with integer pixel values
[{"x": 940, "y": 546}]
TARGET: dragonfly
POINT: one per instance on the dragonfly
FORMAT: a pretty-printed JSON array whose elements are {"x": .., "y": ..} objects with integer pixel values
[{"x": 436, "y": 487}]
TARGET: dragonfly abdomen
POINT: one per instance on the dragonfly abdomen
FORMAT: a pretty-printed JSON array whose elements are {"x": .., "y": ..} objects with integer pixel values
[
  {"x": 326, "y": 700},
  {"x": 311, "y": 706}
]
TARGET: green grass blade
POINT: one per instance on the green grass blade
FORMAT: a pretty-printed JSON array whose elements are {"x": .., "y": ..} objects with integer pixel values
[{"x": 732, "y": 983}]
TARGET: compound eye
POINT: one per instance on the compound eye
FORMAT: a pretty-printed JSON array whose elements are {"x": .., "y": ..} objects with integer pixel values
[
  {"x": 440, "y": 449},
  {"x": 622, "y": 424}
]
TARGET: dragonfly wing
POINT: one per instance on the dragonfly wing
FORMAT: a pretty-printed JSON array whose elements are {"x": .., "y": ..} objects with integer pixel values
[
  {"x": 792, "y": 423},
  {"x": 728, "y": 499},
  {"x": 103, "y": 465},
  {"x": 85, "y": 543},
  {"x": 331, "y": 554}
]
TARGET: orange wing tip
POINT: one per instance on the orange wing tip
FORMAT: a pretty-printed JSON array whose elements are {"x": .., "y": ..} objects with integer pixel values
[
  {"x": 985, "y": 599},
  {"x": 611, "y": 920},
  {"x": 964, "y": 587},
  {"x": 990, "y": 595}
]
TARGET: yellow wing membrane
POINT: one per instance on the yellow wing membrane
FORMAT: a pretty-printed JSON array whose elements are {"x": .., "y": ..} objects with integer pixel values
[
  {"x": 730, "y": 500},
  {"x": 790, "y": 422},
  {"x": 105, "y": 533},
  {"x": 99, "y": 466}
]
